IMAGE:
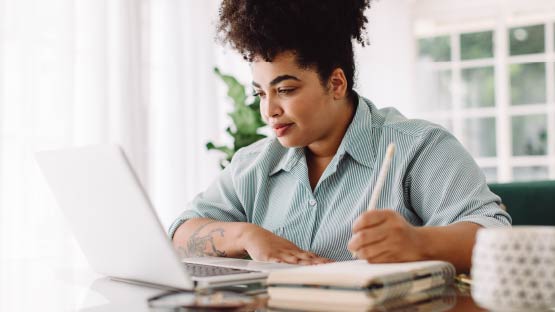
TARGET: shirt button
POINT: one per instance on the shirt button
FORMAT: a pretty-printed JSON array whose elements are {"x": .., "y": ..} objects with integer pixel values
[{"x": 312, "y": 202}]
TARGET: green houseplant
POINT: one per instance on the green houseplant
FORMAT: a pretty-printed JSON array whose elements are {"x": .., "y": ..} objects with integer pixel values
[{"x": 245, "y": 117}]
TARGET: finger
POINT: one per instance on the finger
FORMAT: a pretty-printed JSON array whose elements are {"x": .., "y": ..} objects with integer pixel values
[
  {"x": 321, "y": 260},
  {"x": 284, "y": 259},
  {"x": 305, "y": 262},
  {"x": 307, "y": 257},
  {"x": 304, "y": 255},
  {"x": 314, "y": 261},
  {"x": 367, "y": 237},
  {"x": 289, "y": 258},
  {"x": 384, "y": 257},
  {"x": 273, "y": 259},
  {"x": 371, "y": 218},
  {"x": 373, "y": 254},
  {"x": 282, "y": 256}
]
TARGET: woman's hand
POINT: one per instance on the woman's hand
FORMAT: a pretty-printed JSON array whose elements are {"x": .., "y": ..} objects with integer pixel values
[
  {"x": 263, "y": 245},
  {"x": 384, "y": 236}
]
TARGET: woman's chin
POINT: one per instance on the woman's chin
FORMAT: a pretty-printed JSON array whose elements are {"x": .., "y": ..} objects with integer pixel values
[{"x": 289, "y": 142}]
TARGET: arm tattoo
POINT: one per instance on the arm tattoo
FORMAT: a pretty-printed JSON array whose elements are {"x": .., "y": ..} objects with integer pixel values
[{"x": 196, "y": 245}]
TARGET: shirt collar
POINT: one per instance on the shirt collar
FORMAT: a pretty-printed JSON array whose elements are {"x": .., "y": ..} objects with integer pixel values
[
  {"x": 289, "y": 160},
  {"x": 359, "y": 140}
]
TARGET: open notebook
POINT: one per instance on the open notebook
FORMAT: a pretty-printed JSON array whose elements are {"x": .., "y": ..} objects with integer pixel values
[{"x": 352, "y": 285}]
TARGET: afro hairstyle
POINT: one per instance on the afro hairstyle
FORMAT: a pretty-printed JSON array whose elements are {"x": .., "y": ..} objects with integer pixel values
[{"x": 320, "y": 33}]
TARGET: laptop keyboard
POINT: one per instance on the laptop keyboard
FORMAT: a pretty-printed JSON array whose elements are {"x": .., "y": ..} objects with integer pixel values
[{"x": 202, "y": 270}]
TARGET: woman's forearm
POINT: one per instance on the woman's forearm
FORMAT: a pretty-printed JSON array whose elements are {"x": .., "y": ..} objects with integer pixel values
[
  {"x": 206, "y": 237},
  {"x": 452, "y": 243}
]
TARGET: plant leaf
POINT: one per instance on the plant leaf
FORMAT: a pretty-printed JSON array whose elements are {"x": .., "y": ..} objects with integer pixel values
[
  {"x": 246, "y": 119},
  {"x": 222, "y": 148},
  {"x": 235, "y": 90}
]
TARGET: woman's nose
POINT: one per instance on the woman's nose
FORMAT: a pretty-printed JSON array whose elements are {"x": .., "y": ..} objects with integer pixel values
[{"x": 273, "y": 108}]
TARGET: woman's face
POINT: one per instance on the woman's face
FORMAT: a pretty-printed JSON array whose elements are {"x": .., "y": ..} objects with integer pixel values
[{"x": 293, "y": 101}]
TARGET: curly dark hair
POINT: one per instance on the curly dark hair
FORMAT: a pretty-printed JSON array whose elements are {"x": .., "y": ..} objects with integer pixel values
[{"x": 318, "y": 32}]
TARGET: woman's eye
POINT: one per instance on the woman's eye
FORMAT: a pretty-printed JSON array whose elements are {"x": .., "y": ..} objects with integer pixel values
[{"x": 286, "y": 90}]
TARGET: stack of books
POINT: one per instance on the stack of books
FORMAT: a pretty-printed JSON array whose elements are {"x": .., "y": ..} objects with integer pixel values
[{"x": 356, "y": 285}]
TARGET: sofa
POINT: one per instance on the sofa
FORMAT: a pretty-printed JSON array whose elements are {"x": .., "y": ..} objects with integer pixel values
[{"x": 528, "y": 203}]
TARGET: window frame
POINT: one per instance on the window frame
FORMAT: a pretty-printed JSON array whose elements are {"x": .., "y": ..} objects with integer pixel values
[{"x": 503, "y": 111}]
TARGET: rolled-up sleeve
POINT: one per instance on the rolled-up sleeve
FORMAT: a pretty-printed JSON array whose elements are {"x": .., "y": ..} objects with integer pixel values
[
  {"x": 218, "y": 202},
  {"x": 447, "y": 186}
]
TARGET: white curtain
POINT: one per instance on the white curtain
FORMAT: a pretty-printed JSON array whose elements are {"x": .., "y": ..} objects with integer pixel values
[
  {"x": 187, "y": 102},
  {"x": 76, "y": 72}
]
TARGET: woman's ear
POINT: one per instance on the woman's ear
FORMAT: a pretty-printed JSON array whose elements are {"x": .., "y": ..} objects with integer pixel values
[{"x": 338, "y": 84}]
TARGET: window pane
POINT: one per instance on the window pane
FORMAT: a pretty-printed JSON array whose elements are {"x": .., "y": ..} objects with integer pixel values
[
  {"x": 528, "y": 83},
  {"x": 433, "y": 89},
  {"x": 478, "y": 87},
  {"x": 490, "y": 173},
  {"x": 527, "y": 40},
  {"x": 530, "y": 173},
  {"x": 529, "y": 135},
  {"x": 479, "y": 136},
  {"x": 437, "y": 49},
  {"x": 477, "y": 45}
]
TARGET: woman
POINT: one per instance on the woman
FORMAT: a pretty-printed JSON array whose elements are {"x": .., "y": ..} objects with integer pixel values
[{"x": 301, "y": 196}]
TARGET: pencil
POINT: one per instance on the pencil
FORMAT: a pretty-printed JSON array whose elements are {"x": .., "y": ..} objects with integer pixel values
[{"x": 381, "y": 179}]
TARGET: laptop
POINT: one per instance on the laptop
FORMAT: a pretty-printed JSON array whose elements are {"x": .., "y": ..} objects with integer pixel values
[{"x": 118, "y": 229}]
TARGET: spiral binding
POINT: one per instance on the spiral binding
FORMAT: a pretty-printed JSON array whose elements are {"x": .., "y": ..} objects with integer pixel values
[{"x": 400, "y": 284}]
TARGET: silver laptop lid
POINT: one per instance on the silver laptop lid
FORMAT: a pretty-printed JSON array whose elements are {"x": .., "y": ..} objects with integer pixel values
[{"x": 110, "y": 215}]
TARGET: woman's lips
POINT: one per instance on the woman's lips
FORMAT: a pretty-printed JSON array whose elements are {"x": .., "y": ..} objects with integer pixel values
[{"x": 281, "y": 129}]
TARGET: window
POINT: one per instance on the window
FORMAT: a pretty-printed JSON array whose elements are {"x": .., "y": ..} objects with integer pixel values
[{"x": 493, "y": 87}]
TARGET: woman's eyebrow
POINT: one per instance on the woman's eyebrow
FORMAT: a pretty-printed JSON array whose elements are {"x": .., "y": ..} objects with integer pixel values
[{"x": 277, "y": 80}]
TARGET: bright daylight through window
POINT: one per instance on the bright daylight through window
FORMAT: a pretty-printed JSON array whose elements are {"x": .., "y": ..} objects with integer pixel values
[{"x": 493, "y": 88}]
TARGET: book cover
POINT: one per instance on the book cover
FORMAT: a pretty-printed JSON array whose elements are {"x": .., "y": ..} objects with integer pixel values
[
  {"x": 436, "y": 299},
  {"x": 357, "y": 282}
]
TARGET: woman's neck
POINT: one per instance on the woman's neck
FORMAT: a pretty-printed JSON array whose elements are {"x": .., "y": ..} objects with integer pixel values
[{"x": 327, "y": 147}]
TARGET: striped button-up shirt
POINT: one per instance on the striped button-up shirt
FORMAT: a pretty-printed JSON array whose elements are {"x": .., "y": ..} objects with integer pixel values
[{"x": 432, "y": 181}]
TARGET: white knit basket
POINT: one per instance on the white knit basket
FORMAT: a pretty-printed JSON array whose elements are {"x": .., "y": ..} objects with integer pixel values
[{"x": 514, "y": 268}]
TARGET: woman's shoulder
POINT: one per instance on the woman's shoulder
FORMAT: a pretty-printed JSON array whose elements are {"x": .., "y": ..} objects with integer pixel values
[
  {"x": 255, "y": 149},
  {"x": 415, "y": 127},
  {"x": 260, "y": 155},
  {"x": 390, "y": 125},
  {"x": 390, "y": 118}
]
